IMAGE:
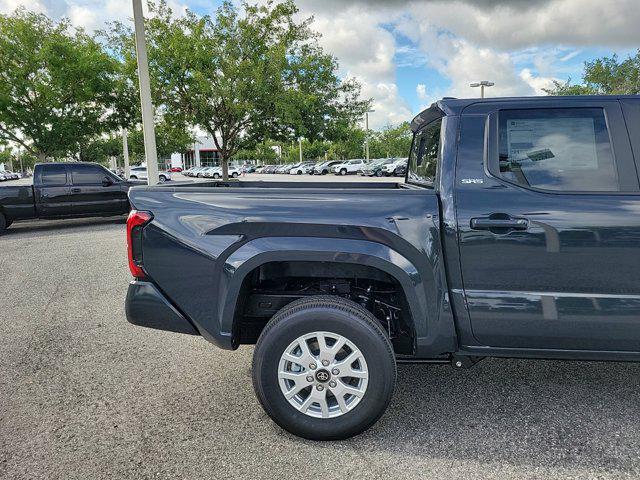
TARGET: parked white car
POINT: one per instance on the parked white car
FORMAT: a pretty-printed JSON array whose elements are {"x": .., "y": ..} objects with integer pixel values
[
  {"x": 300, "y": 168},
  {"x": 8, "y": 175},
  {"x": 350, "y": 166},
  {"x": 216, "y": 172},
  {"x": 140, "y": 173},
  {"x": 397, "y": 168}
]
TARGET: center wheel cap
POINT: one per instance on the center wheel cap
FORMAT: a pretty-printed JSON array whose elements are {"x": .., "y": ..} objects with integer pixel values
[{"x": 323, "y": 376}]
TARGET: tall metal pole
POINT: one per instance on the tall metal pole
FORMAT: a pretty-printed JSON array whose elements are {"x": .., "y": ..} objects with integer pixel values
[
  {"x": 125, "y": 153},
  {"x": 148, "y": 129},
  {"x": 366, "y": 138}
]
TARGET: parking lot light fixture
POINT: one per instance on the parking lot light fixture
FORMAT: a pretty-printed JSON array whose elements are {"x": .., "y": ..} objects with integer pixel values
[{"x": 482, "y": 84}]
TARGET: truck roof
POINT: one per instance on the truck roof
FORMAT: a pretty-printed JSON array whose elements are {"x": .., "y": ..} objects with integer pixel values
[
  {"x": 455, "y": 106},
  {"x": 66, "y": 163}
]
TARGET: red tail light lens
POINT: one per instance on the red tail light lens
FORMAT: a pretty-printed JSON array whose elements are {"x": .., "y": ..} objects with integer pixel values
[{"x": 135, "y": 223}]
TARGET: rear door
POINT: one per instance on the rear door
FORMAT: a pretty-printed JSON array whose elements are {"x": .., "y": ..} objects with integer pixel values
[
  {"x": 52, "y": 191},
  {"x": 95, "y": 191},
  {"x": 549, "y": 223}
]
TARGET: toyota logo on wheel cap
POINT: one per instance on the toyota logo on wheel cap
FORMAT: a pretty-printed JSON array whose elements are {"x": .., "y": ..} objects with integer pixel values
[{"x": 322, "y": 376}]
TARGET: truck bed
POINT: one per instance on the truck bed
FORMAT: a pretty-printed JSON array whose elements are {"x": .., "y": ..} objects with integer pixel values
[
  {"x": 17, "y": 201},
  {"x": 288, "y": 185}
]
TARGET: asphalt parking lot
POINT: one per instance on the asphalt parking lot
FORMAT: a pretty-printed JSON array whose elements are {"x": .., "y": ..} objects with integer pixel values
[{"x": 83, "y": 394}]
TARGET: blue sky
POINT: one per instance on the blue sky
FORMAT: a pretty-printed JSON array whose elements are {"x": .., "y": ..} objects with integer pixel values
[{"x": 406, "y": 54}]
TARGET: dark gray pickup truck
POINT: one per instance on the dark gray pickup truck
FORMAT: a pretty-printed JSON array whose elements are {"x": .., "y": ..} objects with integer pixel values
[
  {"x": 64, "y": 190},
  {"x": 515, "y": 234}
]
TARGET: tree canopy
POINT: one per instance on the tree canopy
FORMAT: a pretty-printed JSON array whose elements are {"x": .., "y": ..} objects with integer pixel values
[
  {"x": 605, "y": 76},
  {"x": 251, "y": 72},
  {"x": 57, "y": 85}
]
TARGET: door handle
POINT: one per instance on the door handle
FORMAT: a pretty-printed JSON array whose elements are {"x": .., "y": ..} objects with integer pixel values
[
  {"x": 76, "y": 190},
  {"x": 499, "y": 221}
]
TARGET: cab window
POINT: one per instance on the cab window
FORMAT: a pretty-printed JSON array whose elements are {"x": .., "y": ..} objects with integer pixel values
[
  {"x": 559, "y": 149},
  {"x": 425, "y": 155},
  {"x": 89, "y": 175}
]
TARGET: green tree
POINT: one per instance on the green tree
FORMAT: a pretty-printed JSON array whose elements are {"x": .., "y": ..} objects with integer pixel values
[
  {"x": 169, "y": 139},
  {"x": 606, "y": 76},
  {"x": 57, "y": 85},
  {"x": 392, "y": 141},
  {"x": 252, "y": 72}
]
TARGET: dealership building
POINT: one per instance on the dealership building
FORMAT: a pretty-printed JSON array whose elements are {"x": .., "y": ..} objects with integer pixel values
[{"x": 203, "y": 153}]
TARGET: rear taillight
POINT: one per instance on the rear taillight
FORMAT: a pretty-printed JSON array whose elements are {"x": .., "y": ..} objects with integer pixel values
[{"x": 135, "y": 223}]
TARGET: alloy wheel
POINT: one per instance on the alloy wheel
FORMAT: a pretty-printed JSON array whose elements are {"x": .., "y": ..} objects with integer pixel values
[{"x": 323, "y": 374}]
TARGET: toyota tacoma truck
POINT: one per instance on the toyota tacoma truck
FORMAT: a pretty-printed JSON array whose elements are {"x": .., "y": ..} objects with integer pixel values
[
  {"x": 516, "y": 233},
  {"x": 65, "y": 190}
]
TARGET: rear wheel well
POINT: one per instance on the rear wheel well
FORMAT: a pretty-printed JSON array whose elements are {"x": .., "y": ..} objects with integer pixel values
[{"x": 272, "y": 286}]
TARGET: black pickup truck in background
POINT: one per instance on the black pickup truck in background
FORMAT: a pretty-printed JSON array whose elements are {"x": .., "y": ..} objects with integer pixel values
[
  {"x": 515, "y": 234},
  {"x": 64, "y": 190}
]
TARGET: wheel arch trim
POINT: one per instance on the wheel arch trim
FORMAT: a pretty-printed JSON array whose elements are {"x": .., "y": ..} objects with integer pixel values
[{"x": 264, "y": 250}]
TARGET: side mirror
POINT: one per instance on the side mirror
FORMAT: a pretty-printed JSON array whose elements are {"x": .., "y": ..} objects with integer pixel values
[{"x": 107, "y": 182}]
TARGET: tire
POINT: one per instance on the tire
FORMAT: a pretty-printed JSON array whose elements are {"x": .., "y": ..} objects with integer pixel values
[
  {"x": 379, "y": 173},
  {"x": 162, "y": 179},
  {"x": 299, "y": 172},
  {"x": 4, "y": 223},
  {"x": 338, "y": 318},
  {"x": 234, "y": 175},
  {"x": 216, "y": 175},
  {"x": 343, "y": 172},
  {"x": 133, "y": 177},
  {"x": 324, "y": 172}
]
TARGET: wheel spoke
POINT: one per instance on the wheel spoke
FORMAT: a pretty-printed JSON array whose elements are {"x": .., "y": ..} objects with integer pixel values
[
  {"x": 296, "y": 377},
  {"x": 322, "y": 401},
  {"x": 344, "y": 389},
  {"x": 307, "y": 403},
  {"x": 341, "y": 403},
  {"x": 306, "y": 356},
  {"x": 294, "y": 391},
  {"x": 346, "y": 363},
  {"x": 351, "y": 372}
]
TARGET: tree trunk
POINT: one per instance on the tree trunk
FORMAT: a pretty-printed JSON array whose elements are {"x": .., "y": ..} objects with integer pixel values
[
  {"x": 42, "y": 157},
  {"x": 225, "y": 167}
]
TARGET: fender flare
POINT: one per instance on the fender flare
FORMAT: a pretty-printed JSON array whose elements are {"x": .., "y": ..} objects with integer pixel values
[{"x": 263, "y": 250}]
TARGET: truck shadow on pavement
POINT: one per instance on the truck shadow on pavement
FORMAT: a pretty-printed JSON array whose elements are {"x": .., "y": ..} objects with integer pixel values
[
  {"x": 538, "y": 413},
  {"x": 31, "y": 227}
]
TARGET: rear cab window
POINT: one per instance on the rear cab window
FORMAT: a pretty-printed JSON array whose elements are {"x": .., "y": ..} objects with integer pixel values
[
  {"x": 53, "y": 175},
  {"x": 424, "y": 158}
]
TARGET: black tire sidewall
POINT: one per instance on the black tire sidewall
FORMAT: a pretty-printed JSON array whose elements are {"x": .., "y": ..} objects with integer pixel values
[
  {"x": 3, "y": 222},
  {"x": 371, "y": 343}
]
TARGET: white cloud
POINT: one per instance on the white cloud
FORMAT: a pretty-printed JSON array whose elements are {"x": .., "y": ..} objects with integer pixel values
[
  {"x": 536, "y": 82},
  {"x": 84, "y": 17},
  {"x": 8, "y": 6},
  {"x": 421, "y": 91}
]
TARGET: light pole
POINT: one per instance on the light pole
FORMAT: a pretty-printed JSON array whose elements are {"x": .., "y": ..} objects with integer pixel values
[
  {"x": 482, "y": 84},
  {"x": 148, "y": 128},
  {"x": 125, "y": 153},
  {"x": 300, "y": 144},
  {"x": 366, "y": 127}
]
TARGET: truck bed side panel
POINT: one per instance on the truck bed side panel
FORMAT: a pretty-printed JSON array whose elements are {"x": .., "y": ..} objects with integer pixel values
[
  {"x": 17, "y": 202},
  {"x": 201, "y": 243}
]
